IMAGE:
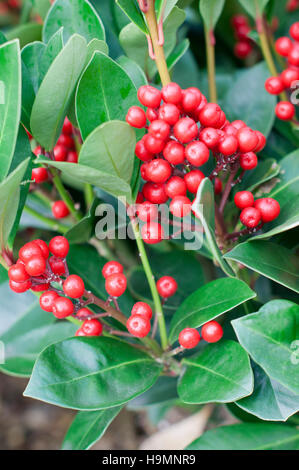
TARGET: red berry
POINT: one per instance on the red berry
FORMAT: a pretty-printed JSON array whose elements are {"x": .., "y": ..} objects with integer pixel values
[
  {"x": 217, "y": 185},
  {"x": 175, "y": 186},
  {"x": 289, "y": 75},
  {"x": 172, "y": 93},
  {"x": 65, "y": 141},
  {"x": 152, "y": 114},
  {"x": 189, "y": 338},
  {"x": 40, "y": 287},
  {"x": 152, "y": 144},
  {"x": 242, "y": 49},
  {"x": 116, "y": 284},
  {"x": 147, "y": 211},
  {"x": 283, "y": 46},
  {"x": 92, "y": 327},
  {"x": 39, "y": 175},
  {"x": 244, "y": 199},
  {"x": 268, "y": 207},
  {"x": 285, "y": 110},
  {"x": 247, "y": 139},
  {"x": 197, "y": 153},
  {"x": 238, "y": 124},
  {"x": 155, "y": 193},
  {"x": 239, "y": 20},
  {"x": 261, "y": 141},
  {"x": 242, "y": 32},
  {"x": 29, "y": 250},
  {"x": 138, "y": 326},
  {"x": 159, "y": 129},
  {"x": 57, "y": 266},
  {"x": 210, "y": 115},
  {"x": 35, "y": 266},
  {"x": 174, "y": 153},
  {"x": 167, "y": 286},
  {"x": 60, "y": 210},
  {"x": 210, "y": 137},
  {"x": 185, "y": 130},
  {"x": 141, "y": 151},
  {"x": 47, "y": 299},
  {"x": 18, "y": 273},
  {"x": 20, "y": 287},
  {"x": 229, "y": 129},
  {"x": 294, "y": 31},
  {"x": 143, "y": 309},
  {"x": 274, "y": 85},
  {"x": 228, "y": 145},
  {"x": 152, "y": 233},
  {"x": 293, "y": 56},
  {"x": 73, "y": 286},
  {"x": 170, "y": 113},
  {"x": 180, "y": 206},
  {"x": 60, "y": 153},
  {"x": 139, "y": 198},
  {"x": 212, "y": 332},
  {"x": 72, "y": 157},
  {"x": 43, "y": 246},
  {"x": 250, "y": 217},
  {"x": 59, "y": 246},
  {"x": 191, "y": 99},
  {"x": 136, "y": 117},
  {"x": 67, "y": 127},
  {"x": 248, "y": 161},
  {"x": 37, "y": 151},
  {"x": 62, "y": 307},
  {"x": 158, "y": 171},
  {"x": 80, "y": 332},
  {"x": 149, "y": 96},
  {"x": 143, "y": 171},
  {"x": 193, "y": 180},
  {"x": 84, "y": 313},
  {"x": 112, "y": 267}
]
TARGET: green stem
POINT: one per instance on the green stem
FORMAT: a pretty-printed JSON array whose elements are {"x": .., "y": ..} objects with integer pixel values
[
  {"x": 152, "y": 284},
  {"x": 65, "y": 195},
  {"x": 88, "y": 195},
  {"x": 74, "y": 320},
  {"x": 210, "y": 51},
  {"x": 50, "y": 222}
]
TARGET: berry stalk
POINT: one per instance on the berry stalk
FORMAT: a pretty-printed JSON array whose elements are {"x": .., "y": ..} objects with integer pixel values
[
  {"x": 50, "y": 222},
  {"x": 210, "y": 51}
]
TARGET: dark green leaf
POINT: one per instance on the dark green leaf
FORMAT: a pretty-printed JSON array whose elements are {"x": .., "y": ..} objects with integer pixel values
[
  {"x": 269, "y": 336},
  {"x": 177, "y": 53},
  {"x": 163, "y": 391},
  {"x": 134, "y": 13},
  {"x": 221, "y": 374},
  {"x": 91, "y": 373},
  {"x": 265, "y": 171},
  {"x": 88, "y": 427},
  {"x": 84, "y": 230},
  {"x": 208, "y": 302}
]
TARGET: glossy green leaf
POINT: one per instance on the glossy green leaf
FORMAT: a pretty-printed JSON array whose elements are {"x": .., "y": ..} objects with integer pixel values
[
  {"x": 247, "y": 100},
  {"x": 162, "y": 392},
  {"x": 286, "y": 192},
  {"x": 29, "y": 333},
  {"x": 248, "y": 436},
  {"x": 254, "y": 8},
  {"x": 10, "y": 103},
  {"x": 88, "y": 427},
  {"x": 9, "y": 201},
  {"x": 96, "y": 45},
  {"x": 164, "y": 7},
  {"x": 76, "y": 17},
  {"x": 221, "y": 374},
  {"x": 53, "y": 48},
  {"x": 134, "y": 71},
  {"x": 110, "y": 148},
  {"x": 271, "y": 260},
  {"x": 265, "y": 171},
  {"x": 100, "y": 99},
  {"x": 31, "y": 58},
  {"x": 270, "y": 400},
  {"x": 177, "y": 53},
  {"x": 208, "y": 302},
  {"x": 203, "y": 207},
  {"x": 210, "y": 11},
  {"x": 53, "y": 97},
  {"x": 83, "y": 231},
  {"x": 269, "y": 336},
  {"x": 133, "y": 12},
  {"x": 91, "y": 373}
]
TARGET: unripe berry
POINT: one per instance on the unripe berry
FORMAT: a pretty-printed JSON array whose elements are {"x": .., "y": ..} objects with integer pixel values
[
  {"x": 285, "y": 111},
  {"x": 193, "y": 180},
  {"x": 250, "y": 217},
  {"x": 174, "y": 153},
  {"x": 143, "y": 309},
  {"x": 47, "y": 299},
  {"x": 62, "y": 307},
  {"x": 39, "y": 175},
  {"x": 112, "y": 267},
  {"x": 248, "y": 161},
  {"x": 268, "y": 207},
  {"x": 92, "y": 327},
  {"x": 185, "y": 130},
  {"x": 116, "y": 284},
  {"x": 172, "y": 93},
  {"x": 149, "y": 96},
  {"x": 180, "y": 206},
  {"x": 152, "y": 233},
  {"x": 212, "y": 332},
  {"x": 138, "y": 326},
  {"x": 60, "y": 210},
  {"x": 189, "y": 338},
  {"x": 167, "y": 286},
  {"x": 175, "y": 186},
  {"x": 73, "y": 286},
  {"x": 59, "y": 246},
  {"x": 136, "y": 117},
  {"x": 197, "y": 153},
  {"x": 244, "y": 199}
]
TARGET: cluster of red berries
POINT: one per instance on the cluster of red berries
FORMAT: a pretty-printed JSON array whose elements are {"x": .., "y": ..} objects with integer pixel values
[
  {"x": 243, "y": 47},
  {"x": 210, "y": 332},
  {"x": 175, "y": 146},
  {"x": 292, "y": 5},
  {"x": 289, "y": 49},
  {"x": 257, "y": 211}
]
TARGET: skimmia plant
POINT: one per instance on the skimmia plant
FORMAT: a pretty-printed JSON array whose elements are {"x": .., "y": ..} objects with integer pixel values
[{"x": 109, "y": 106}]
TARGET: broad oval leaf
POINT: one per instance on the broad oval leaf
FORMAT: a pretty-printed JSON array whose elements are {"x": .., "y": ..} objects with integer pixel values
[
  {"x": 10, "y": 102},
  {"x": 76, "y": 16},
  {"x": 54, "y": 95},
  {"x": 273, "y": 261},
  {"x": 221, "y": 374},
  {"x": 270, "y": 336},
  {"x": 91, "y": 373},
  {"x": 203, "y": 207},
  {"x": 248, "y": 436},
  {"x": 100, "y": 99},
  {"x": 270, "y": 400},
  {"x": 88, "y": 427},
  {"x": 208, "y": 302}
]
